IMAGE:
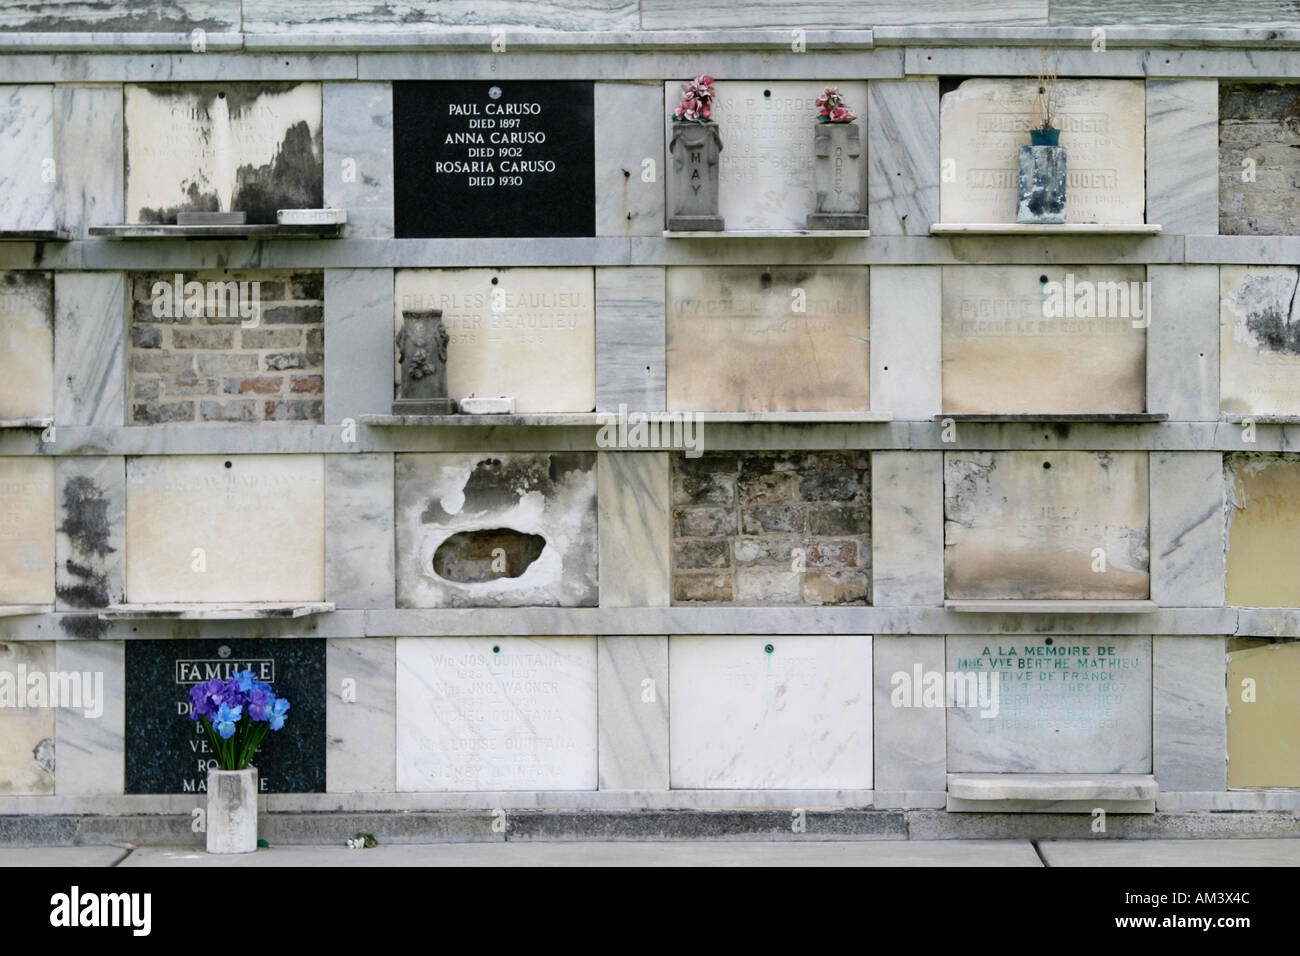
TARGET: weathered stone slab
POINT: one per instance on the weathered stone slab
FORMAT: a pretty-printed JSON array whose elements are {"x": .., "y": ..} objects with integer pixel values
[
  {"x": 765, "y": 177},
  {"x": 26, "y": 531},
  {"x": 26, "y": 732},
  {"x": 1263, "y": 714},
  {"x": 984, "y": 122},
  {"x": 1078, "y": 528},
  {"x": 1258, "y": 162},
  {"x": 210, "y": 528},
  {"x": 1263, "y": 513},
  {"x": 1013, "y": 337},
  {"x": 1063, "y": 705},
  {"x": 737, "y": 341},
  {"x": 27, "y": 161},
  {"x": 496, "y": 713},
  {"x": 1259, "y": 340},
  {"x": 526, "y": 333},
  {"x": 498, "y": 530},
  {"x": 770, "y": 712},
  {"x": 26, "y": 345},
  {"x": 230, "y": 147}
]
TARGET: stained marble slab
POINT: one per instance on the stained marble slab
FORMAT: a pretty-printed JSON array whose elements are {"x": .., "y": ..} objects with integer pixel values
[
  {"x": 1263, "y": 517},
  {"x": 1263, "y": 714},
  {"x": 26, "y": 531},
  {"x": 361, "y": 715},
  {"x": 496, "y": 530},
  {"x": 738, "y": 341},
  {"x": 1013, "y": 337},
  {"x": 89, "y": 329},
  {"x": 241, "y": 147},
  {"x": 984, "y": 122},
  {"x": 1259, "y": 340},
  {"x": 91, "y": 151},
  {"x": 1065, "y": 704},
  {"x": 496, "y": 713},
  {"x": 765, "y": 173},
  {"x": 26, "y": 345},
  {"x": 358, "y": 143},
  {"x": 254, "y": 524},
  {"x": 796, "y": 716},
  {"x": 526, "y": 333},
  {"x": 1189, "y": 708},
  {"x": 90, "y": 547},
  {"x": 28, "y": 165},
  {"x": 91, "y": 732},
  {"x": 1078, "y": 528},
  {"x": 26, "y": 732}
]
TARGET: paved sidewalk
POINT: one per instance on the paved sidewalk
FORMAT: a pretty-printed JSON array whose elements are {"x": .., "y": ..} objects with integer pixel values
[{"x": 976, "y": 853}]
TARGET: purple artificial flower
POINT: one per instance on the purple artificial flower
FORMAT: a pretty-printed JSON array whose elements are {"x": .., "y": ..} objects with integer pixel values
[{"x": 205, "y": 698}]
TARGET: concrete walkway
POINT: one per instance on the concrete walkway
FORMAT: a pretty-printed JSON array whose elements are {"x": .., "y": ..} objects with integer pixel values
[{"x": 998, "y": 853}]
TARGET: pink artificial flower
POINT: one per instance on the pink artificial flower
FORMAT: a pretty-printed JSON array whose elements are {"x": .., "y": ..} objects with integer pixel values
[{"x": 842, "y": 114}]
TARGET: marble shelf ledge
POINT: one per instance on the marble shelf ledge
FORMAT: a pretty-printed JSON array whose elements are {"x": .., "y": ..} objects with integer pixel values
[
  {"x": 1048, "y": 417},
  {"x": 19, "y": 610},
  {"x": 1043, "y": 229},
  {"x": 268, "y": 230},
  {"x": 222, "y": 611},
  {"x": 1052, "y": 786},
  {"x": 1237, "y": 418},
  {"x": 34, "y": 235},
  {"x": 1010, "y": 606},
  {"x": 767, "y": 234},
  {"x": 32, "y": 423},
  {"x": 596, "y": 419}
]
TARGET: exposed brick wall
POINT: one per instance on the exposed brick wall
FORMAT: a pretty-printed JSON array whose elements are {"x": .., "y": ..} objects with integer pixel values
[
  {"x": 1260, "y": 122},
  {"x": 772, "y": 528},
  {"x": 210, "y": 369}
]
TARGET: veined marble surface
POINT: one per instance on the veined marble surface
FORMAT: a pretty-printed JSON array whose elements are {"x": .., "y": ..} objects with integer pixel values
[{"x": 28, "y": 166}]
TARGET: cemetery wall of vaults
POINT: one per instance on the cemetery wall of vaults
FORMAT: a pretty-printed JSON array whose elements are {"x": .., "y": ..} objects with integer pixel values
[{"x": 927, "y": 468}]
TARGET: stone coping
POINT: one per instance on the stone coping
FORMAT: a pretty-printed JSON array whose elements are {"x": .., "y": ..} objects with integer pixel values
[
  {"x": 256, "y": 230},
  {"x": 222, "y": 611},
  {"x": 1011, "y": 606},
  {"x": 30, "y": 423},
  {"x": 597, "y": 419},
  {"x": 1043, "y": 229},
  {"x": 34, "y": 235},
  {"x": 767, "y": 233},
  {"x": 1134, "y": 418},
  {"x": 21, "y": 610},
  {"x": 1052, "y": 786}
]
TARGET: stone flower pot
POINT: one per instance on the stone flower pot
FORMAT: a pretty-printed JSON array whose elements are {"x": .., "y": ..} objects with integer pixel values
[
  {"x": 693, "y": 185},
  {"x": 232, "y": 811},
  {"x": 837, "y": 177},
  {"x": 1041, "y": 184}
]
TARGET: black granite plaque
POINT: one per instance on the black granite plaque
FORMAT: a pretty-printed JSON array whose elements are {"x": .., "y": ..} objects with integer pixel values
[
  {"x": 485, "y": 159},
  {"x": 166, "y": 752}
]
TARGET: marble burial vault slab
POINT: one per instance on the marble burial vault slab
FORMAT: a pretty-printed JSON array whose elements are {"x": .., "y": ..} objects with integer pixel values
[
  {"x": 28, "y": 166},
  {"x": 26, "y": 531},
  {"x": 1263, "y": 714},
  {"x": 496, "y": 530},
  {"x": 167, "y": 752},
  {"x": 765, "y": 172},
  {"x": 485, "y": 158},
  {"x": 26, "y": 732},
  {"x": 222, "y": 147},
  {"x": 774, "y": 339},
  {"x": 1052, "y": 525},
  {"x": 770, "y": 712},
  {"x": 1259, "y": 340},
  {"x": 212, "y": 528},
  {"x": 1044, "y": 339},
  {"x": 984, "y": 122},
  {"x": 1263, "y": 512},
  {"x": 1062, "y": 704},
  {"x": 525, "y": 333},
  {"x": 26, "y": 345},
  {"x": 496, "y": 713}
]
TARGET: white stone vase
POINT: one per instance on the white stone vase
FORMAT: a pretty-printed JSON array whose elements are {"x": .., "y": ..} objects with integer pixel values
[
  {"x": 232, "y": 811},
  {"x": 837, "y": 177}
]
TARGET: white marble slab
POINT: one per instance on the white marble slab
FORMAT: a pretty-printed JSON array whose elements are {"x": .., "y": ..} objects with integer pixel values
[
  {"x": 26, "y": 345},
  {"x": 1074, "y": 705},
  {"x": 529, "y": 333},
  {"x": 28, "y": 166},
  {"x": 1259, "y": 340},
  {"x": 26, "y": 531},
  {"x": 765, "y": 172},
  {"x": 256, "y": 529},
  {"x": 797, "y": 717},
  {"x": 737, "y": 343},
  {"x": 496, "y": 713},
  {"x": 26, "y": 732},
  {"x": 984, "y": 122}
]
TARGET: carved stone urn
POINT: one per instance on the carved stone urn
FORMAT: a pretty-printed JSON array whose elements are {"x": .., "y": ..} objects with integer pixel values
[{"x": 422, "y": 356}]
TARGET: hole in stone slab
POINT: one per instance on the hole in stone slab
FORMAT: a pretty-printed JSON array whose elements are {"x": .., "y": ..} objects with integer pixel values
[
  {"x": 766, "y": 277},
  {"x": 768, "y": 648},
  {"x": 472, "y": 557},
  {"x": 221, "y": 94},
  {"x": 1042, "y": 280},
  {"x": 495, "y": 280},
  {"x": 230, "y": 464},
  {"x": 496, "y": 648},
  {"x": 1047, "y": 464},
  {"x": 1049, "y": 642},
  {"x": 767, "y": 92}
]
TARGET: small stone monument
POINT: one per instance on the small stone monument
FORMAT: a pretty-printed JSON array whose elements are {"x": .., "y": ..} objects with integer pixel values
[
  {"x": 695, "y": 147},
  {"x": 422, "y": 355},
  {"x": 837, "y": 169}
]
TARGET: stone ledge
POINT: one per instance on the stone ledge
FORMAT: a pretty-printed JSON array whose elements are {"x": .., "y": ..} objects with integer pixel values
[
  {"x": 981, "y": 787},
  {"x": 118, "y": 42},
  {"x": 767, "y": 234},
  {"x": 479, "y": 40},
  {"x": 1265, "y": 36},
  {"x": 1003, "y": 606},
  {"x": 1042, "y": 229},
  {"x": 222, "y": 611},
  {"x": 34, "y": 235},
  {"x": 246, "y": 231},
  {"x": 1235, "y": 418},
  {"x": 1229, "y": 800},
  {"x": 596, "y": 419},
  {"x": 39, "y": 424},
  {"x": 22, "y": 610},
  {"x": 1134, "y": 418}
]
